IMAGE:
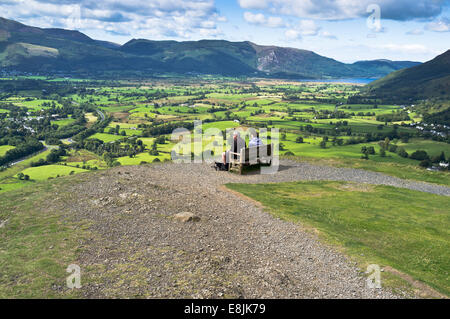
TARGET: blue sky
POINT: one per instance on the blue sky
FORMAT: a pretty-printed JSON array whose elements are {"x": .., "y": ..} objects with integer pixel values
[{"x": 407, "y": 29}]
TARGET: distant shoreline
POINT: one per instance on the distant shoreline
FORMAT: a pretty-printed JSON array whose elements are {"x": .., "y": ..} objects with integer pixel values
[{"x": 343, "y": 80}]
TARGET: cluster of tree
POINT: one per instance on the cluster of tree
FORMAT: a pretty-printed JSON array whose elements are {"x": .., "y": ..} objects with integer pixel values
[
  {"x": 29, "y": 147},
  {"x": 45, "y": 88},
  {"x": 23, "y": 177},
  {"x": 53, "y": 157},
  {"x": 426, "y": 160},
  {"x": 216, "y": 109},
  {"x": 166, "y": 128},
  {"x": 386, "y": 145},
  {"x": 323, "y": 142},
  {"x": 14, "y": 110},
  {"x": 110, "y": 160},
  {"x": 419, "y": 155},
  {"x": 442, "y": 117},
  {"x": 359, "y": 99},
  {"x": 366, "y": 151},
  {"x": 326, "y": 114},
  {"x": 125, "y": 147},
  {"x": 364, "y": 114},
  {"x": 337, "y": 141},
  {"x": 393, "y": 117},
  {"x": 98, "y": 126},
  {"x": 256, "y": 112}
]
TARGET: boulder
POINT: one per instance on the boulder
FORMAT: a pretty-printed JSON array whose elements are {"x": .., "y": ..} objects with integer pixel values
[{"x": 186, "y": 217}]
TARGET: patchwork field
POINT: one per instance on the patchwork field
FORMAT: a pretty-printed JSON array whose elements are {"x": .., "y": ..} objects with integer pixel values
[{"x": 316, "y": 121}]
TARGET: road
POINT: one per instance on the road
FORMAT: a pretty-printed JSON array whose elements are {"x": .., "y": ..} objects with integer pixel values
[
  {"x": 32, "y": 155},
  {"x": 101, "y": 115}
]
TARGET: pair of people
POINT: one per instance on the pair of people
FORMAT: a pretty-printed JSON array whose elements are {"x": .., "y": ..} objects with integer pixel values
[{"x": 237, "y": 144}]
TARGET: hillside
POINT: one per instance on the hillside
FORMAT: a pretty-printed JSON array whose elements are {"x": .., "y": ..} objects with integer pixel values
[
  {"x": 383, "y": 67},
  {"x": 425, "y": 81},
  {"x": 120, "y": 227},
  {"x": 52, "y": 51}
]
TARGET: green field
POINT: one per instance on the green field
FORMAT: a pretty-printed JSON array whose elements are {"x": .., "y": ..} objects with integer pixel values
[
  {"x": 50, "y": 171},
  {"x": 308, "y": 110},
  {"x": 35, "y": 104},
  {"x": 106, "y": 137},
  {"x": 8, "y": 180},
  {"x": 404, "y": 229},
  {"x": 433, "y": 148},
  {"x": 63, "y": 122},
  {"x": 142, "y": 157},
  {"x": 5, "y": 148}
]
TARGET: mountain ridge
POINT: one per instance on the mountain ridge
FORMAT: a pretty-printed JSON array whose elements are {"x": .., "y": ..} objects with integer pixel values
[
  {"x": 51, "y": 50},
  {"x": 428, "y": 80}
]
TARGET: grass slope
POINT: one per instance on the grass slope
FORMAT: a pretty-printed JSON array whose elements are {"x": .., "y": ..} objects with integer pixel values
[
  {"x": 36, "y": 245},
  {"x": 405, "y": 229},
  {"x": 427, "y": 80}
]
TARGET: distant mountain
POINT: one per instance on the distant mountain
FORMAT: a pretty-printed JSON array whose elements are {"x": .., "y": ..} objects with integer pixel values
[
  {"x": 52, "y": 51},
  {"x": 383, "y": 67},
  {"x": 428, "y": 80}
]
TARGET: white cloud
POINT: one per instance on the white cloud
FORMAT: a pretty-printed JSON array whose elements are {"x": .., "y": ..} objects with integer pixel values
[
  {"x": 261, "y": 19},
  {"x": 441, "y": 25},
  {"x": 258, "y": 18},
  {"x": 308, "y": 27},
  {"x": 155, "y": 19},
  {"x": 304, "y": 28},
  {"x": 348, "y": 9},
  {"x": 275, "y": 22},
  {"x": 415, "y": 32},
  {"x": 292, "y": 35},
  {"x": 328, "y": 35},
  {"x": 410, "y": 49},
  {"x": 253, "y": 4}
]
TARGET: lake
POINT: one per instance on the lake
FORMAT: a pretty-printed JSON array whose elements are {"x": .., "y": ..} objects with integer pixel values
[{"x": 345, "y": 80}]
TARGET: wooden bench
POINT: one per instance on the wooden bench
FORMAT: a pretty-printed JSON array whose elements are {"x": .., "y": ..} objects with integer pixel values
[{"x": 251, "y": 156}]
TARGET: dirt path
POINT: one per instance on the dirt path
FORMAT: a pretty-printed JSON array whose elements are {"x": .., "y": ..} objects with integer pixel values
[{"x": 235, "y": 250}]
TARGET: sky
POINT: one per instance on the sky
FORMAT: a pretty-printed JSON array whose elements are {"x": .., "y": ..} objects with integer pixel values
[{"x": 346, "y": 30}]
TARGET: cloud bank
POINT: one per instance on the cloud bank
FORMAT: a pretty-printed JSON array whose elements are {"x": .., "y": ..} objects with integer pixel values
[
  {"x": 140, "y": 18},
  {"x": 348, "y": 9}
]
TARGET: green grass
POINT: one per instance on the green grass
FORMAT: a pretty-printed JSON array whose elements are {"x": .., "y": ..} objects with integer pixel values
[
  {"x": 142, "y": 157},
  {"x": 5, "y": 148},
  {"x": 8, "y": 181},
  {"x": 433, "y": 148},
  {"x": 222, "y": 125},
  {"x": 36, "y": 244},
  {"x": 107, "y": 137},
  {"x": 63, "y": 122},
  {"x": 407, "y": 230},
  {"x": 50, "y": 171},
  {"x": 36, "y": 105},
  {"x": 403, "y": 171}
]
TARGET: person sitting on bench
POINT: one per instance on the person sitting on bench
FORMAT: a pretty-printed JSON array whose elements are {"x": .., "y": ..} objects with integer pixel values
[
  {"x": 255, "y": 140},
  {"x": 236, "y": 145}
]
